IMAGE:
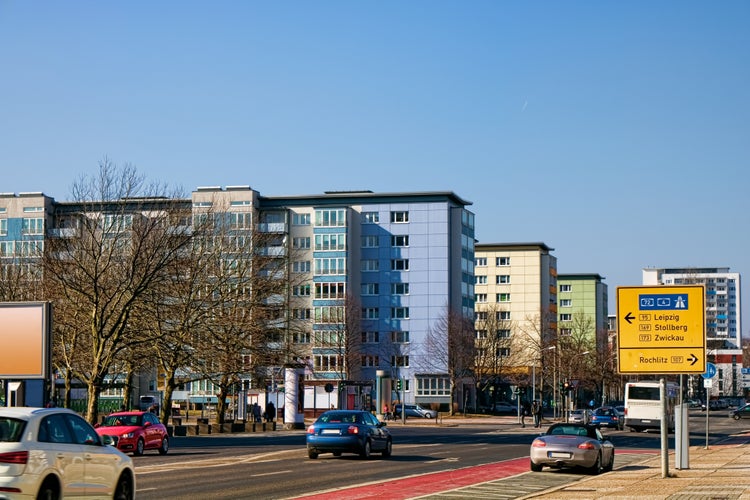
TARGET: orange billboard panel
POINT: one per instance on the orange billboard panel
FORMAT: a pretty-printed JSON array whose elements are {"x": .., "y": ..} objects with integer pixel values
[{"x": 24, "y": 339}]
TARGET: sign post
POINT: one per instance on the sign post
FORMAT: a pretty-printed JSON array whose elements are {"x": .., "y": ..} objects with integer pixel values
[{"x": 662, "y": 330}]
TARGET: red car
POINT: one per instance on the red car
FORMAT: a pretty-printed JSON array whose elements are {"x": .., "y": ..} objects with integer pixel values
[{"x": 135, "y": 431}]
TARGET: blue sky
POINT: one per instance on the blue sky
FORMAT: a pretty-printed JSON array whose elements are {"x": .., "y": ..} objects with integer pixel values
[{"x": 614, "y": 132}]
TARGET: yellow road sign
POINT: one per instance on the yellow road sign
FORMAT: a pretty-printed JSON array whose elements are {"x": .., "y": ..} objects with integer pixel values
[{"x": 661, "y": 329}]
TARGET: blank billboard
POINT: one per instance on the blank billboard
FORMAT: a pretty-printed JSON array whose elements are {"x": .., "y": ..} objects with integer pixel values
[{"x": 24, "y": 340}]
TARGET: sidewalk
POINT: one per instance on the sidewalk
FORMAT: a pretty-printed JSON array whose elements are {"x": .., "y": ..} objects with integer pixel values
[{"x": 720, "y": 472}]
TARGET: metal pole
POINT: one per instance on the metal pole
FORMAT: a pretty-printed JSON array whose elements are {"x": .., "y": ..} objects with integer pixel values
[{"x": 664, "y": 429}]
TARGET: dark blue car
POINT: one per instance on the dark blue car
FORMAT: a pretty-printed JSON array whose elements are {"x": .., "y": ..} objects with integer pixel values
[
  {"x": 606, "y": 416},
  {"x": 348, "y": 431}
]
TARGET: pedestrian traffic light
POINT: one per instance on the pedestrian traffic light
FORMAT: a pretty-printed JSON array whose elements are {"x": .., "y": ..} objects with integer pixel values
[{"x": 398, "y": 384}]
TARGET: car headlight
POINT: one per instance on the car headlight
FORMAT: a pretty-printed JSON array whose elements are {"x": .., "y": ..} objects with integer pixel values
[{"x": 128, "y": 435}]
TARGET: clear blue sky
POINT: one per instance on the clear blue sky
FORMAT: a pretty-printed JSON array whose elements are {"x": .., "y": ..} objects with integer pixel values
[{"x": 614, "y": 132}]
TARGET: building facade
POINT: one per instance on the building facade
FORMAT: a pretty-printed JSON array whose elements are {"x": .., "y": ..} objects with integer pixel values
[
  {"x": 583, "y": 295},
  {"x": 723, "y": 321},
  {"x": 370, "y": 275}
]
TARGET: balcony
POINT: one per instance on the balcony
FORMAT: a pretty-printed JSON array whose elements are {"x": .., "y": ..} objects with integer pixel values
[{"x": 272, "y": 227}]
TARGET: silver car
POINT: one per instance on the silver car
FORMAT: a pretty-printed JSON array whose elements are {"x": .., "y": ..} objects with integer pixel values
[
  {"x": 580, "y": 416},
  {"x": 572, "y": 445},
  {"x": 54, "y": 453}
]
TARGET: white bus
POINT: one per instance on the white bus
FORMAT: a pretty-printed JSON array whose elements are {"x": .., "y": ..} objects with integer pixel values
[{"x": 643, "y": 405}]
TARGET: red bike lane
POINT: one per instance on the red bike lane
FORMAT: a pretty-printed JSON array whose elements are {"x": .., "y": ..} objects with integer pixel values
[{"x": 426, "y": 484}]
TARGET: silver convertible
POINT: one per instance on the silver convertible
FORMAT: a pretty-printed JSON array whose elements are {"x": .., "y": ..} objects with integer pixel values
[{"x": 572, "y": 445}]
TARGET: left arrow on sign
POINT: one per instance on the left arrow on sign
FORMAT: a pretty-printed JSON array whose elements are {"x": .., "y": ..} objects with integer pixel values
[{"x": 629, "y": 318}]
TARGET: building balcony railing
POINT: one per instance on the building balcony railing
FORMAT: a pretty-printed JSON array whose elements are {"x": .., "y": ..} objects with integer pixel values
[
  {"x": 62, "y": 232},
  {"x": 272, "y": 227},
  {"x": 272, "y": 251}
]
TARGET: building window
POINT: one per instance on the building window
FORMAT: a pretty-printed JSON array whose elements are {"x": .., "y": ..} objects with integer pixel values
[
  {"x": 481, "y": 315},
  {"x": 301, "y": 242},
  {"x": 326, "y": 362},
  {"x": 399, "y": 217},
  {"x": 369, "y": 241},
  {"x": 400, "y": 361},
  {"x": 370, "y": 313},
  {"x": 301, "y": 313},
  {"x": 502, "y": 261},
  {"x": 400, "y": 312},
  {"x": 370, "y": 289},
  {"x": 240, "y": 220},
  {"x": 566, "y": 317},
  {"x": 33, "y": 209},
  {"x": 370, "y": 265},
  {"x": 3, "y": 227},
  {"x": 502, "y": 279},
  {"x": 566, "y": 332},
  {"x": 503, "y": 315},
  {"x": 566, "y": 303},
  {"x": 503, "y": 333},
  {"x": 480, "y": 334},
  {"x": 369, "y": 361},
  {"x": 330, "y": 290},
  {"x": 330, "y": 266},
  {"x": 480, "y": 297},
  {"x": 302, "y": 337},
  {"x": 502, "y": 352},
  {"x": 370, "y": 217},
  {"x": 399, "y": 288},
  {"x": 480, "y": 261},
  {"x": 503, "y": 297},
  {"x": 400, "y": 265},
  {"x": 330, "y": 242},
  {"x": 335, "y": 217},
  {"x": 329, "y": 314},
  {"x": 480, "y": 280},
  {"x": 565, "y": 288},
  {"x": 433, "y": 386},
  {"x": 400, "y": 241},
  {"x": 300, "y": 219},
  {"x": 301, "y": 266},
  {"x": 399, "y": 337},
  {"x": 370, "y": 337},
  {"x": 301, "y": 290}
]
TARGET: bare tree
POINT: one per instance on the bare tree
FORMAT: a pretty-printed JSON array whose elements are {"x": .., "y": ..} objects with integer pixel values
[
  {"x": 450, "y": 349},
  {"x": 493, "y": 347},
  {"x": 116, "y": 249}
]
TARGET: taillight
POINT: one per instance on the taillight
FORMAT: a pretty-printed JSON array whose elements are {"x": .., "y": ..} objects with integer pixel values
[
  {"x": 538, "y": 443},
  {"x": 588, "y": 445},
  {"x": 311, "y": 430},
  {"x": 14, "y": 457},
  {"x": 352, "y": 429}
]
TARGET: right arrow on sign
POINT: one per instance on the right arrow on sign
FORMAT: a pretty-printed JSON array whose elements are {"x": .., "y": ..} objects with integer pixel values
[{"x": 692, "y": 359}]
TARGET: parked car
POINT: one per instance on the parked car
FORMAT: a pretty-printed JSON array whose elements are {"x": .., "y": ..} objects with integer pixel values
[
  {"x": 503, "y": 408},
  {"x": 54, "y": 453},
  {"x": 606, "y": 416},
  {"x": 414, "y": 411},
  {"x": 572, "y": 445},
  {"x": 135, "y": 431},
  {"x": 741, "y": 412},
  {"x": 580, "y": 416},
  {"x": 713, "y": 405},
  {"x": 693, "y": 403},
  {"x": 348, "y": 431}
]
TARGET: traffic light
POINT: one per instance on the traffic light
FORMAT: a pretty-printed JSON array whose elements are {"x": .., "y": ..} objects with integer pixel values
[
  {"x": 398, "y": 384},
  {"x": 566, "y": 386}
]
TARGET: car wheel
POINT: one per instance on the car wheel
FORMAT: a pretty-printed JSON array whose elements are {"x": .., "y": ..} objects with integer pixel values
[
  {"x": 388, "y": 449},
  {"x": 597, "y": 467},
  {"x": 139, "y": 447},
  {"x": 366, "y": 449},
  {"x": 611, "y": 464},
  {"x": 427, "y": 415},
  {"x": 536, "y": 467},
  {"x": 312, "y": 454},
  {"x": 124, "y": 489},
  {"x": 736, "y": 416},
  {"x": 164, "y": 448},
  {"x": 49, "y": 490}
]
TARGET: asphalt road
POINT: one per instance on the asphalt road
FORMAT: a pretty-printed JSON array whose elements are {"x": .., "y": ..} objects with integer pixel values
[{"x": 276, "y": 465}]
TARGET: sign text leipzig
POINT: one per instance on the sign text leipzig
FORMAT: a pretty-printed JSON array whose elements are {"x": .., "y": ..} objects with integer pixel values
[{"x": 661, "y": 329}]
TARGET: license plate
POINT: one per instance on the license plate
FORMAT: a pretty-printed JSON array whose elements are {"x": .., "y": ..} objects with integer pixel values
[
  {"x": 330, "y": 431},
  {"x": 558, "y": 454}
]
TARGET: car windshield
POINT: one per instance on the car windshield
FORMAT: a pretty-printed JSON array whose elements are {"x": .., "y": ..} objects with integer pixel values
[
  {"x": 343, "y": 417},
  {"x": 121, "y": 420},
  {"x": 11, "y": 429},
  {"x": 571, "y": 430}
]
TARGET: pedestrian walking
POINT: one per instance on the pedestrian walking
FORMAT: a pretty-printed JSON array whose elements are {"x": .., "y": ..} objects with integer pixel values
[
  {"x": 524, "y": 412},
  {"x": 270, "y": 412},
  {"x": 539, "y": 414}
]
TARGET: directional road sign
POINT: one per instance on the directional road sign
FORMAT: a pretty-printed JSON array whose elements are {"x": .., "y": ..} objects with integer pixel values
[{"x": 661, "y": 329}]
